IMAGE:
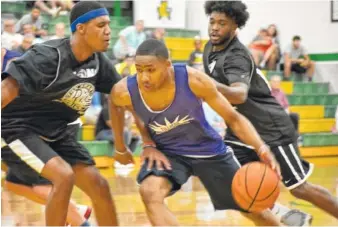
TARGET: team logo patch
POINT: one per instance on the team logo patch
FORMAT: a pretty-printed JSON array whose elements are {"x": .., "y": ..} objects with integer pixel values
[
  {"x": 167, "y": 126},
  {"x": 79, "y": 97}
]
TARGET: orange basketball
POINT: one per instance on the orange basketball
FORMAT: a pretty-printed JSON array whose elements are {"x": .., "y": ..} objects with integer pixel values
[{"x": 255, "y": 187}]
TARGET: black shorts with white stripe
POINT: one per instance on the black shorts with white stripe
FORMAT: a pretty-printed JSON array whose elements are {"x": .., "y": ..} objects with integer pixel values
[
  {"x": 294, "y": 169},
  {"x": 26, "y": 153}
]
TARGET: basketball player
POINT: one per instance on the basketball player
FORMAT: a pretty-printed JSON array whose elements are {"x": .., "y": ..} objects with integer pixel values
[
  {"x": 39, "y": 190},
  {"x": 168, "y": 99},
  {"x": 43, "y": 92},
  {"x": 229, "y": 63}
]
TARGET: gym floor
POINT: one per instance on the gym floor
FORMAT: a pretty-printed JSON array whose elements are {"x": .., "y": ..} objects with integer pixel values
[{"x": 191, "y": 205}]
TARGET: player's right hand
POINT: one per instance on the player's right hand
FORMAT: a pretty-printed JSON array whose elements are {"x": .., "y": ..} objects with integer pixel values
[
  {"x": 125, "y": 157},
  {"x": 268, "y": 158},
  {"x": 154, "y": 156}
]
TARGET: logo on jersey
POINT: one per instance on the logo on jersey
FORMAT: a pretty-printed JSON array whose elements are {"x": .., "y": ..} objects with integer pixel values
[
  {"x": 211, "y": 66},
  {"x": 85, "y": 73},
  {"x": 79, "y": 97},
  {"x": 163, "y": 10},
  {"x": 159, "y": 129}
]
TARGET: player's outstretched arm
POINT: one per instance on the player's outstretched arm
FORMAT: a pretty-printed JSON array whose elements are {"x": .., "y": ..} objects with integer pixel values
[
  {"x": 203, "y": 87},
  {"x": 9, "y": 91}
]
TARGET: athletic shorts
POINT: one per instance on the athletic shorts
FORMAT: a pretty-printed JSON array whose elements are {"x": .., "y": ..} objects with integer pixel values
[
  {"x": 27, "y": 153},
  {"x": 216, "y": 174},
  {"x": 295, "y": 170}
]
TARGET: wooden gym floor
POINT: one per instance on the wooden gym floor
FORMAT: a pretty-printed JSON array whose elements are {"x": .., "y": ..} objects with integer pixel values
[{"x": 191, "y": 205}]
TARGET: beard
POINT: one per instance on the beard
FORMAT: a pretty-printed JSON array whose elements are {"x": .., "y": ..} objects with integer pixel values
[{"x": 221, "y": 41}]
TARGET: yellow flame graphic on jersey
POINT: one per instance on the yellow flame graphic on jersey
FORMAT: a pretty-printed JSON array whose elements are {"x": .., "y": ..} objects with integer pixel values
[{"x": 159, "y": 129}]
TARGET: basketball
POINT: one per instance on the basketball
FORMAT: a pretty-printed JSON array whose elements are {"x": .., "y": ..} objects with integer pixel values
[{"x": 255, "y": 187}]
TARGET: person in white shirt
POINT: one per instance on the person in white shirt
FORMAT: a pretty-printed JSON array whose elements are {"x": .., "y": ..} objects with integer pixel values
[{"x": 9, "y": 39}]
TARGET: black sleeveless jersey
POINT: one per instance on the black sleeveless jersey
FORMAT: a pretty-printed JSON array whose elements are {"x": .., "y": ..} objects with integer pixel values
[
  {"x": 55, "y": 89},
  {"x": 235, "y": 64}
]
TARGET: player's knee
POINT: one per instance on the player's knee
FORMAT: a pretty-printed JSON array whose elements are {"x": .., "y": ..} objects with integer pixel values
[
  {"x": 302, "y": 191},
  {"x": 100, "y": 187},
  {"x": 154, "y": 189}
]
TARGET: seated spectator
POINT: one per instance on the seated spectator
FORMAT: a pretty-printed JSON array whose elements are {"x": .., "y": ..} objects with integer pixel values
[
  {"x": 127, "y": 67},
  {"x": 26, "y": 43},
  {"x": 158, "y": 34},
  {"x": 281, "y": 98},
  {"x": 272, "y": 54},
  {"x": 259, "y": 46},
  {"x": 9, "y": 39},
  {"x": 296, "y": 59},
  {"x": 33, "y": 18},
  {"x": 196, "y": 57},
  {"x": 103, "y": 129},
  {"x": 7, "y": 56},
  {"x": 59, "y": 31},
  {"x": 130, "y": 38}
]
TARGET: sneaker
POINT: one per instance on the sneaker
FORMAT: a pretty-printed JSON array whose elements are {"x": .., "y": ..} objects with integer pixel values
[
  {"x": 296, "y": 218},
  {"x": 85, "y": 211}
]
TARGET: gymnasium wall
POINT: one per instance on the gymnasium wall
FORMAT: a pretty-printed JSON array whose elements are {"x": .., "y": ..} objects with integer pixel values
[{"x": 311, "y": 20}]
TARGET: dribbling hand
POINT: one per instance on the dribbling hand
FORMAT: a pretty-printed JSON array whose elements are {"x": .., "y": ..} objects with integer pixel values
[
  {"x": 268, "y": 158},
  {"x": 155, "y": 156}
]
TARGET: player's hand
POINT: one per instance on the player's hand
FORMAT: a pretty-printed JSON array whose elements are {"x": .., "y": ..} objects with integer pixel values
[
  {"x": 124, "y": 157},
  {"x": 155, "y": 157},
  {"x": 268, "y": 158}
]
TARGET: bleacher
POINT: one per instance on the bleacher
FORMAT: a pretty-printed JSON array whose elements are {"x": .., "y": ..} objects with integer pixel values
[{"x": 315, "y": 105}]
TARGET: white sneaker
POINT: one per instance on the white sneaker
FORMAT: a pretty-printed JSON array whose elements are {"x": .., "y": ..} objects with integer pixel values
[{"x": 296, "y": 218}]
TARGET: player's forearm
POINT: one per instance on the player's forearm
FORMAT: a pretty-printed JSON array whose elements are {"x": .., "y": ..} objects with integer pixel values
[
  {"x": 9, "y": 91},
  {"x": 246, "y": 131},
  {"x": 235, "y": 95},
  {"x": 117, "y": 125}
]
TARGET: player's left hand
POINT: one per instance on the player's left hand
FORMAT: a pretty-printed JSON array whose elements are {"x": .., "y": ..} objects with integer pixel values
[
  {"x": 268, "y": 158},
  {"x": 124, "y": 157}
]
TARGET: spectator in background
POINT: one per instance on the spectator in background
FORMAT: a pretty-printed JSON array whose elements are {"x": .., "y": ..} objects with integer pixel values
[
  {"x": 196, "y": 57},
  {"x": 7, "y": 57},
  {"x": 33, "y": 18},
  {"x": 27, "y": 42},
  {"x": 27, "y": 29},
  {"x": 296, "y": 59},
  {"x": 59, "y": 31},
  {"x": 259, "y": 46},
  {"x": 9, "y": 39},
  {"x": 281, "y": 98},
  {"x": 158, "y": 34},
  {"x": 130, "y": 38},
  {"x": 272, "y": 54},
  {"x": 127, "y": 67}
]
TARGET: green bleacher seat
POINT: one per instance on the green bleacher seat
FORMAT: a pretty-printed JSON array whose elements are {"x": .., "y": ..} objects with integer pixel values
[
  {"x": 313, "y": 99},
  {"x": 98, "y": 148},
  {"x": 310, "y": 88},
  {"x": 320, "y": 139},
  {"x": 13, "y": 7},
  {"x": 330, "y": 111}
]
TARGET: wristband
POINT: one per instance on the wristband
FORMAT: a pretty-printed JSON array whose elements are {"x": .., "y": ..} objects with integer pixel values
[
  {"x": 149, "y": 144},
  {"x": 120, "y": 153}
]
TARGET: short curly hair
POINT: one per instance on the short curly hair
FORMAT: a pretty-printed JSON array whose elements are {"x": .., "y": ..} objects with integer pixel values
[{"x": 236, "y": 10}]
